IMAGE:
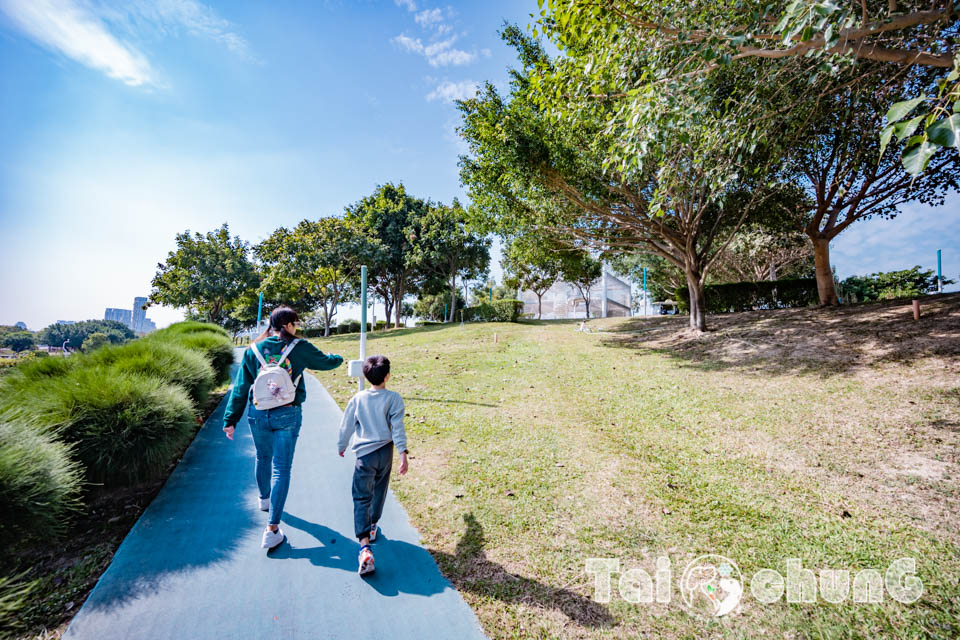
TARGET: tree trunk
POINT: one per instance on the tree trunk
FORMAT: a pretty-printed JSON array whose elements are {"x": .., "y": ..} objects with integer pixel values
[
  {"x": 821, "y": 258},
  {"x": 399, "y": 303},
  {"x": 698, "y": 301},
  {"x": 453, "y": 299},
  {"x": 539, "y": 306}
]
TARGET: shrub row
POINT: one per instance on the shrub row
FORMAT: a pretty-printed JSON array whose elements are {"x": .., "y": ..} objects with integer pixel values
[
  {"x": 116, "y": 416},
  {"x": 749, "y": 296},
  {"x": 495, "y": 311}
]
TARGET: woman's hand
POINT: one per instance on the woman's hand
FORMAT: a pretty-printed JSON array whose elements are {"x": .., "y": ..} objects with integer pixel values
[
  {"x": 403, "y": 463},
  {"x": 229, "y": 431}
]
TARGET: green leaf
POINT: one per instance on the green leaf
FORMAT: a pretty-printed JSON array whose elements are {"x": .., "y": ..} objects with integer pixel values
[
  {"x": 906, "y": 128},
  {"x": 945, "y": 132},
  {"x": 900, "y": 110},
  {"x": 885, "y": 136},
  {"x": 915, "y": 158}
]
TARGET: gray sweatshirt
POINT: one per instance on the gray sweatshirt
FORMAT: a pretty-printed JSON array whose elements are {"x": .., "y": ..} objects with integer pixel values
[{"x": 374, "y": 417}]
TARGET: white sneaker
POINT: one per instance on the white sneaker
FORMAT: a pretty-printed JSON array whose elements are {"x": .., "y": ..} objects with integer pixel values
[
  {"x": 264, "y": 504},
  {"x": 272, "y": 539}
]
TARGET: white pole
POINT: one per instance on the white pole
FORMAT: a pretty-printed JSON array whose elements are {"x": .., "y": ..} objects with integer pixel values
[
  {"x": 363, "y": 321},
  {"x": 603, "y": 302}
]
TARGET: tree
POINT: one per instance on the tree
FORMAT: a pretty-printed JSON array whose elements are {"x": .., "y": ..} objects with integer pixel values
[
  {"x": 207, "y": 274},
  {"x": 442, "y": 247},
  {"x": 56, "y": 334},
  {"x": 531, "y": 265},
  {"x": 432, "y": 307},
  {"x": 890, "y": 285},
  {"x": 94, "y": 341},
  {"x": 685, "y": 194},
  {"x": 812, "y": 40},
  {"x": 386, "y": 216},
  {"x": 771, "y": 245},
  {"x": 851, "y": 175},
  {"x": 317, "y": 263},
  {"x": 488, "y": 290},
  {"x": 19, "y": 341},
  {"x": 581, "y": 270}
]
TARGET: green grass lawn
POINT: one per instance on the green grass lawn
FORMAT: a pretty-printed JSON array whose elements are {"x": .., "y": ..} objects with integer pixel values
[{"x": 546, "y": 447}]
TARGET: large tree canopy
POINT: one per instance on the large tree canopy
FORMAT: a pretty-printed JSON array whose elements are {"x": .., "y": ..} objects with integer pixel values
[
  {"x": 316, "y": 264},
  {"x": 386, "y": 216},
  {"x": 635, "y": 54},
  {"x": 207, "y": 274},
  {"x": 684, "y": 198},
  {"x": 442, "y": 247}
]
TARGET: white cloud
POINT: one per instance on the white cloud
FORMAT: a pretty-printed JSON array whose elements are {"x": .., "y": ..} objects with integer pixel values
[
  {"x": 451, "y": 91},
  {"x": 74, "y": 31},
  {"x": 429, "y": 17},
  {"x": 438, "y": 54},
  {"x": 171, "y": 17},
  {"x": 410, "y": 5}
]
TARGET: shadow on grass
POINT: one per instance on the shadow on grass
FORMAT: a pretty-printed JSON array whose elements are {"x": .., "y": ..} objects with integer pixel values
[
  {"x": 470, "y": 570},
  {"x": 823, "y": 342},
  {"x": 476, "y": 404},
  {"x": 407, "y": 568}
]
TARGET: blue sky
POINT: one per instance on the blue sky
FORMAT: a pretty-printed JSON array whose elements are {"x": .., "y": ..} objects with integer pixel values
[{"x": 125, "y": 122}]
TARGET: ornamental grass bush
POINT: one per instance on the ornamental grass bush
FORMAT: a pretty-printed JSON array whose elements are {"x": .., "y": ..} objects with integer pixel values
[
  {"x": 39, "y": 481},
  {"x": 124, "y": 427},
  {"x": 212, "y": 341},
  {"x": 169, "y": 362}
]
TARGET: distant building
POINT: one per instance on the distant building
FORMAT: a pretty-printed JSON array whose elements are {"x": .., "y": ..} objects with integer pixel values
[
  {"x": 139, "y": 315},
  {"x": 21, "y": 325},
  {"x": 118, "y": 315},
  {"x": 609, "y": 298},
  {"x": 66, "y": 322},
  {"x": 148, "y": 326}
]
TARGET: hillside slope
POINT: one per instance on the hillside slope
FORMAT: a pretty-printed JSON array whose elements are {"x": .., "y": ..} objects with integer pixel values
[{"x": 536, "y": 447}]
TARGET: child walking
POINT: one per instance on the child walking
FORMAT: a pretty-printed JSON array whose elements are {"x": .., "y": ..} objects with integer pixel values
[
  {"x": 275, "y": 430},
  {"x": 374, "y": 418}
]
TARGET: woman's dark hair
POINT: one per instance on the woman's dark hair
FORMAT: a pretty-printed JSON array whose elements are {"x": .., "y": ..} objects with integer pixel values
[
  {"x": 280, "y": 318},
  {"x": 376, "y": 368}
]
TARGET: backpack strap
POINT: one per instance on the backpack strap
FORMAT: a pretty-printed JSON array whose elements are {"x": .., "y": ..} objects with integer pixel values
[
  {"x": 256, "y": 352},
  {"x": 286, "y": 351},
  {"x": 283, "y": 357}
]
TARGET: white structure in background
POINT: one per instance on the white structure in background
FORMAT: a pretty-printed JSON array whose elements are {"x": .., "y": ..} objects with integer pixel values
[{"x": 610, "y": 297}]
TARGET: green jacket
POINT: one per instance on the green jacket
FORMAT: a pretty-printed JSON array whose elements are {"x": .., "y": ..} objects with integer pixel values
[{"x": 304, "y": 356}]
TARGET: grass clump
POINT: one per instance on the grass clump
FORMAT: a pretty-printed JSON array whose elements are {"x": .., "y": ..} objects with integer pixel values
[
  {"x": 39, "y": 483},
  {"x": 125, "y": 430},
  {"x": 169, "y": 362},
  {"x": 212, "y": 341}
]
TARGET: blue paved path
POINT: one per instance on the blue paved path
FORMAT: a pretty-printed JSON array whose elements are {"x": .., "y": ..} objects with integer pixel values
[{"x": 192, "y": 567}]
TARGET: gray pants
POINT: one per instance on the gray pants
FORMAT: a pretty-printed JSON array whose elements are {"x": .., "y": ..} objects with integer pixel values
[{"x": 371, "y": 478}]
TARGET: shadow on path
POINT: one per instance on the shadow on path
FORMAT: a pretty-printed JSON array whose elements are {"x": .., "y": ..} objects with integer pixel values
[{"x": 399, "y": 570}]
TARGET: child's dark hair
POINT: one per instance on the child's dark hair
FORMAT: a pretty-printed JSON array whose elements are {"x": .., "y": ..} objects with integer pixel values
[
  {"x": 375, "y": 369},
  {"x": 280, "y": 318}
]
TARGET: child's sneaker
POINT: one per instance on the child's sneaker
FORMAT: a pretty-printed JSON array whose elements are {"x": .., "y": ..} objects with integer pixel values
[
  {"x": 264, "y": 504},
  {"x": 366, "y": 560},
  {"x": 272, "y": 539},
  {"x": 373, "y": 532}
]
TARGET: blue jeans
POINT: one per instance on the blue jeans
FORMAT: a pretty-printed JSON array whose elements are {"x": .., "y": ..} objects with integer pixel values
[
  {"x": 275, "y": 435},
  {"x": 371, "y": 478}
]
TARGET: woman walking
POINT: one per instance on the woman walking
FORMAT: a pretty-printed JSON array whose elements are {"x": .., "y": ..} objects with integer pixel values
[{"x": 270, "y": 379}]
